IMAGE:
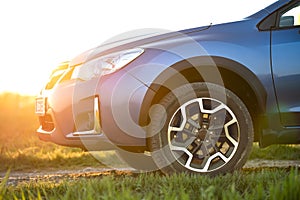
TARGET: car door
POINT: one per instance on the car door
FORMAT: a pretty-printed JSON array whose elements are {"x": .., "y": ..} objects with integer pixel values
[{"x": 285, "y": 51}]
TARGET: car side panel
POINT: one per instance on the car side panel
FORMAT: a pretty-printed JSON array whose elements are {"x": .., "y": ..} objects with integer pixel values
[{"x": 286, "y": 68}]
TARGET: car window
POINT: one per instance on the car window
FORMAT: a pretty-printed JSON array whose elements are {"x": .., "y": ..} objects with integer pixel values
[{"x": 290, "y": 17}]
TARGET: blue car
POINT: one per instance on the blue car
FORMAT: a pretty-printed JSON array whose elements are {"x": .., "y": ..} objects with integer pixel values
[{"x": 188, "y": 101}]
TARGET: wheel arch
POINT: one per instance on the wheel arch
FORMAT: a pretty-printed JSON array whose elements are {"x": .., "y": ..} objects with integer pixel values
[{"x": 232, "y": 73}]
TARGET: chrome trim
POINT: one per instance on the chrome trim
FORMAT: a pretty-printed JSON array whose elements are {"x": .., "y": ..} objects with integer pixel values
[
  {"x": 97, "y": 128},
  {"x": 42, "y": 131}
]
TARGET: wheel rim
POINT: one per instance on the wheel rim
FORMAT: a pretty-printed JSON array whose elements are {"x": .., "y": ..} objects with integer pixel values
[{"x": 203, "y": 134}]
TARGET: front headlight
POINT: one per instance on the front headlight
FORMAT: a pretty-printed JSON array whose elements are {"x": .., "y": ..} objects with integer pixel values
[{"x": 106, "y": 64}]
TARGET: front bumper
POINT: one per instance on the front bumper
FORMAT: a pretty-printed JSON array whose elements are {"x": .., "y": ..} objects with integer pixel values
[
  {"x": 91, "y": 140},
  {"x": 90, "y": 114}
]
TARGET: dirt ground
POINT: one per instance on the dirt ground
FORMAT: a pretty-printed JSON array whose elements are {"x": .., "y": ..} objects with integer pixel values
[
  {"x": 257, "y": 163},
  {"x": 16, "y": 178}
]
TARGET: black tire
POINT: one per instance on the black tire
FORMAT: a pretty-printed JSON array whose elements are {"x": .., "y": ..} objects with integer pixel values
[
  {"x": 214, "y": 138},
  {"x": 138, "y": 161}
]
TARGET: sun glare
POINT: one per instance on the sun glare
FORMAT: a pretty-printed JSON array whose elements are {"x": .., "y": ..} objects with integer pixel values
[{"x": 36, "y": 35}]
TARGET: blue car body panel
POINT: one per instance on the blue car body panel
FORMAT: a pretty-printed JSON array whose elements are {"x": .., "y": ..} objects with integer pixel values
[
  {"x": 286, "y": 72},
  {"x": 267, "y": 60}
]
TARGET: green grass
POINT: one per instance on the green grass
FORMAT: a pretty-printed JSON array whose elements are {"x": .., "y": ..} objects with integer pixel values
[
  {"x": 276, "y": 152},
  {"x": 264, "y": 184},
  {"x": 45, "y": 158}
]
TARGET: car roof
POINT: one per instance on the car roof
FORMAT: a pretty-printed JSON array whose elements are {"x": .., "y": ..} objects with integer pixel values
[{"x": 269, "y": 9}]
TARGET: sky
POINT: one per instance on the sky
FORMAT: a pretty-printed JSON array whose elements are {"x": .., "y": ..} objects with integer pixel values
[{"x": 36, "y": 35}]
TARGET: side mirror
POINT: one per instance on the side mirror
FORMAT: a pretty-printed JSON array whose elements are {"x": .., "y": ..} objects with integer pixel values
[{"x": 286, "y": 21}]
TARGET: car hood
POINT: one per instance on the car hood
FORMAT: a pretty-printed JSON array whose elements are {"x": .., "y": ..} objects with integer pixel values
[{"x": 131, "y": 40}]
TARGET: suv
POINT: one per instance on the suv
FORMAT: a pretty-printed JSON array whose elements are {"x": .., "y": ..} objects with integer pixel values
[{"x": 188, "y": 101}]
